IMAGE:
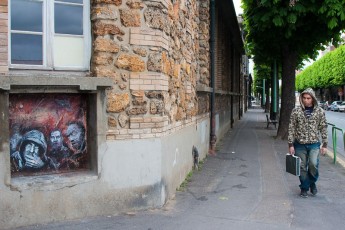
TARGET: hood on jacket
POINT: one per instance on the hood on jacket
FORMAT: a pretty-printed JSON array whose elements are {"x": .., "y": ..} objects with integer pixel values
[
  {"x": 311, "y": 92},
  {"x": 36, "y": 137}
]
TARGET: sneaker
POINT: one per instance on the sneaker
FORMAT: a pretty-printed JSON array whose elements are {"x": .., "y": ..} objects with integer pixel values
[
  {"x": 304, "y": 193},
  {"x": 313, "y": 189}
]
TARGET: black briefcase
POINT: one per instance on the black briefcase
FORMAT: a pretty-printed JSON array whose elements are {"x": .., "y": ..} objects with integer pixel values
[{"x": 293, "y": 164}]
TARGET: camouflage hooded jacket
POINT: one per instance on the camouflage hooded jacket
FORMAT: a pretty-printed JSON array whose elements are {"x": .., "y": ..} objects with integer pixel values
[{"x": 307, "y": 130}]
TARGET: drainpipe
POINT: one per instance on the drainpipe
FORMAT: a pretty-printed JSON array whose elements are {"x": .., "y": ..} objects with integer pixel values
[
  {"x": 232, "y": 87},
  {"x": 213, "y": 138}
]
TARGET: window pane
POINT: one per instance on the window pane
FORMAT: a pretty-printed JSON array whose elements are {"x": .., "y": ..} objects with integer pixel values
[
  {"x": 26, "y": 15},
  {"x": 26, "y": 49},
  {"x": 68, "y": 51},
  {"x": 68, "y": 19},
  {"x": 71, "y": 1}
]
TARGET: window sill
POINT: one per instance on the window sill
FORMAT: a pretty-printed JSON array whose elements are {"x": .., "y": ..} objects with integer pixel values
[
  {"x": 202, "y": 88},
  {"x": 76, "y": 81},
  {"x": 52, "y": 182}
]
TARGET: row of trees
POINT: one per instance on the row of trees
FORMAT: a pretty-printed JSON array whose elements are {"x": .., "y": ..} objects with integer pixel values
[
  {"x": 262, "y": 81},
  {"x": 326, "y": 72},
  {"x": 286, "y": 33}
]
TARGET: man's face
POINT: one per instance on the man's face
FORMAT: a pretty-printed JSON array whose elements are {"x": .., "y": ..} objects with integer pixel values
[
  {"x": 32, "y": 156},
  {"x": 75, "y": 136},
  {"x": 56, "y": 139},
  {"x": 32, "y": 149},
  {"x": 307, "y": 100}
]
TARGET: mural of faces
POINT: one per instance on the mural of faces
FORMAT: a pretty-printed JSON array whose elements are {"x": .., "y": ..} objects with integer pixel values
[
  {"x": 76, "y": 136},
  {"x": 56, "y": 139},
  {"x": 32, "y": 150},
  {"x": 48, "y": 133},
  {"x": 32, "y": 156}
]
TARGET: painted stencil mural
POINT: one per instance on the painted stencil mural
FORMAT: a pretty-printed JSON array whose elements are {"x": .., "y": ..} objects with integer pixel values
[{"x": 47, "y": 133}]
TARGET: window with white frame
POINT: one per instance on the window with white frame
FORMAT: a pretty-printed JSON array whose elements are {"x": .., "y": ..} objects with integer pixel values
[{"x": 50, "y": 34}]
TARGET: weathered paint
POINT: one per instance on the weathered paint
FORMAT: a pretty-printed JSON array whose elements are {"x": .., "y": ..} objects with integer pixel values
[
  {"x": 131, "y": 175},
  {"x": 128, "y": 163}
]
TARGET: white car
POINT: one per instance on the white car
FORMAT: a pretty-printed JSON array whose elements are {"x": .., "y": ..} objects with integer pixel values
[
  {"x": 341, "y": 107},
  {"x": 334, "y": 105}
]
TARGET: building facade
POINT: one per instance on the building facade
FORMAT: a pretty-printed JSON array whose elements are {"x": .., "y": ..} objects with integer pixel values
[{"x": 102, "y": 102}]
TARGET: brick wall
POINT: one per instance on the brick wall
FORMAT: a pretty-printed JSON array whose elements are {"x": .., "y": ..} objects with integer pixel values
[
  {"x": 149, "y": 37},
  {"x": 151, "y": 127},
  {"x": 3, "y": 36},
  {"x": 148, "y": 81}
]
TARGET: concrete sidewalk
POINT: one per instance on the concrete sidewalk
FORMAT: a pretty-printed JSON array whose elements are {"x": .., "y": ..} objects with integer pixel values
[{"x": 244, "y": 186}]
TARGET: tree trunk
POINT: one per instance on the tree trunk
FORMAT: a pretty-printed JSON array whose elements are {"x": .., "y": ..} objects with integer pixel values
[
  {"x": 268, "y": 102},
  {"x": 289, "y": 60}
]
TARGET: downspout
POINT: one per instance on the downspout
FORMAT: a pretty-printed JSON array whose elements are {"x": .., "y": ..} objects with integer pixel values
[
  {"x": 213, "y": 138},
  {"x": 240, "y": 98},
  {"x": 232, "y": 87}
]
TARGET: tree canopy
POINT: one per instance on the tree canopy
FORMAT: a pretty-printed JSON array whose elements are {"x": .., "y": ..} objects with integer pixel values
[
  {"x": 326, "y": 72},
  {"x": 289, "y": 32},
  {"x": 302, "y": 25},
  {"x": 260, "y": 72}
]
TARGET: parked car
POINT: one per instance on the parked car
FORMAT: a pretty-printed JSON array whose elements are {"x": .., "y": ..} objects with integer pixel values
[
  {"x": 335, "y": 105},
  {"x": 323, "y": 104},
  {"x": 326, "y": 106},
  {"x": 341, "y": 107}
]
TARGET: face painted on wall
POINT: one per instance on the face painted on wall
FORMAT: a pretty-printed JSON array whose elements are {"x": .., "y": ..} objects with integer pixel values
[
  {"x": 33, "y": 150},
  {"x": 32, "y": 155},
  {"x": 39, "y": 144},
  {"x": 56, "y": 139},
  {"x": 76, "y": 136}
]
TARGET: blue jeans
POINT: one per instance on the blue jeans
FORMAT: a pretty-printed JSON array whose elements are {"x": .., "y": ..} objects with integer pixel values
[{"x": 309, "y": 154}]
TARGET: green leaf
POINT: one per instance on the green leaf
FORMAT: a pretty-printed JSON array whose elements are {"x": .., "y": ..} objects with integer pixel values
[
  {"x": 292, "y": 18},
  {"x": 265, "y": 18},
  {"x": 332, "y": 23},
  {"x": 342, "y": 15},
  {"x": 299, "y": 8},
  {"x": 278, "y": 21},
  {"x": 283, "y": 12}
]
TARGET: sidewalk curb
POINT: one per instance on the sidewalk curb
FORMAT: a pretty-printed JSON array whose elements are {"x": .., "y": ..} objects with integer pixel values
[{"x": 340, "y": 161}]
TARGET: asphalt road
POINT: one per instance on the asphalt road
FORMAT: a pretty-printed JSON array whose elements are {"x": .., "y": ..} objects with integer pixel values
[{"x": 338, "y": 119}]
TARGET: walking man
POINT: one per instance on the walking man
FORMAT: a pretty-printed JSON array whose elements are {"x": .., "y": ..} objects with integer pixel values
[{"x": 307, "y": 124}]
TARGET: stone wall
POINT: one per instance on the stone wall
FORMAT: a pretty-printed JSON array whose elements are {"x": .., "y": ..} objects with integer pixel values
[
  {"x": 204, "y": 37},
  {"x": 150, "y": 49}
]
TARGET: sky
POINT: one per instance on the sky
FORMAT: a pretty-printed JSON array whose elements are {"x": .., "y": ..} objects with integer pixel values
[
  {"x": 238, "y": 9},
  {"x": 237, "y": 4}
]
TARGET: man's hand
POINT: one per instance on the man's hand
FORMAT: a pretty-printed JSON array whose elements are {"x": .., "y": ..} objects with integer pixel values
[
  {"x": 292, "y": 150},
  {"x": 323, "y": 151},
  {"x": 33, "y": 161}
]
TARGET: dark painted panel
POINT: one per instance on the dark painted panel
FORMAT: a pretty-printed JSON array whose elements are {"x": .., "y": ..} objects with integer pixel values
[{"x": 48, "y": 133}]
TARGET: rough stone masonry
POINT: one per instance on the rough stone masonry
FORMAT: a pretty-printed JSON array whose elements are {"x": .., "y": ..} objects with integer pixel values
[{"x": 156, "y": 52}]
